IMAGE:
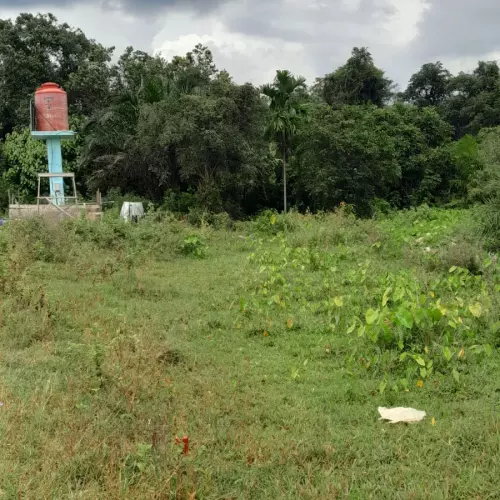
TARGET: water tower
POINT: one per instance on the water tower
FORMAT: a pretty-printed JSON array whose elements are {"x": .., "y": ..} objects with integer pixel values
[{"x": 50, "y": 123}]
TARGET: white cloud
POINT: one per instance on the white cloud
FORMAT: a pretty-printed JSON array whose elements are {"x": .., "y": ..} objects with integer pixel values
[
  {"x": 253, "y": 39},
  {"x": 245, "y": 57},
  {"x": 403, "y": 23}
]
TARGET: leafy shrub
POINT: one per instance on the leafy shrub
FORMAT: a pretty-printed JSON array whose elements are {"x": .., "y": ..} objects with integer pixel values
[
  {"x": 272, "y": 222},
  {"x": 194, "y": 246},
  {"x": 198, "y": 217},
  {"x": 221, "y": 221},
  {"x": 463, "y": 254},
  {"x": 409, "y": 328},
  {"x": 39, "y": 239},
  {"x": 177, "y": 202},
  {"x": 489, "y": 222},
  {"x": 381, "y": 207},
  {"x": 109, "y": 233}
]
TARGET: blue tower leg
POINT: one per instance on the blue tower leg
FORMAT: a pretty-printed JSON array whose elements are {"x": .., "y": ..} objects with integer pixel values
[{"x": 55, "y": 167}]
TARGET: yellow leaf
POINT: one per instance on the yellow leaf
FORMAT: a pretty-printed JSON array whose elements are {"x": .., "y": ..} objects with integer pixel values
[
  {"x": 289, "y": 324},
  {"x": 441, "y": 308},
  {"x": 461, "y": 354},
  {"x": 273, "y": 220},
  {"x": 433, "y": 421},
  {"x": 476, "y": 309},
  {"x": 266, "y": 334},
  {"x": 426, "y": 350},
  {"x": 420, "y": 383},
  {"x": 432, "y": 294}
]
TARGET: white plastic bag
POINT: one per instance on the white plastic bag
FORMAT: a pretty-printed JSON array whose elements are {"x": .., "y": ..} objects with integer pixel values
[{"x": 396, "y": 415}]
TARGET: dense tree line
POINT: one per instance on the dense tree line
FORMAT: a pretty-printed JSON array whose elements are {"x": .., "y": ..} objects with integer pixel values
[{"x": 181, "y": 133}]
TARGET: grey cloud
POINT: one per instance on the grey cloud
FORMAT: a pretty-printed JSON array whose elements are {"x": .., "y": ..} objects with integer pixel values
[
  {"x": 142, "y": 6},
  {"x": 307, "y": 22},
  {"x": 327, "y": 29},
  {"x": 458, "y": 28},
  {"x": 324, "y": 30}
]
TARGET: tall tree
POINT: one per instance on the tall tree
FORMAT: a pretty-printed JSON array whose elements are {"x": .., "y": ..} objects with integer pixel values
[
  {"x": 285, "y": 115},
  {"x": 474, "y": 102},
  {"x": 36, "y": 49},
  {"x": 430, "y": 86},
  {"x": 358, "y": 81},
  {"x": 179, "y": 126}
]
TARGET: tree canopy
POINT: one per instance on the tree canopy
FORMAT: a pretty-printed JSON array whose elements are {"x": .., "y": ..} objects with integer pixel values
[
  {"x": 182, "y": 133},
  {"x": 358, "y": 81}
]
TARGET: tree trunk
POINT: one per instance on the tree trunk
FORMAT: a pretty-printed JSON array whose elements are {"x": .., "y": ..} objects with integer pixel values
[{"x": 284, "y": 180}]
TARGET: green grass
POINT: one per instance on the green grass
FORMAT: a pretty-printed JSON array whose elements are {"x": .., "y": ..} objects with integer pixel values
[{"x": 113, "y": 350}]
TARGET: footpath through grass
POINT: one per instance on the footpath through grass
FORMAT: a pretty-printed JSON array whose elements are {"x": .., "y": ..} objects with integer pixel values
[{"x": 270, "y": 347}]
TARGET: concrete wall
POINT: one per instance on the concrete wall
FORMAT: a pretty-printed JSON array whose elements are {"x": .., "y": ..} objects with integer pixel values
[{"x": 89, "y": 211}]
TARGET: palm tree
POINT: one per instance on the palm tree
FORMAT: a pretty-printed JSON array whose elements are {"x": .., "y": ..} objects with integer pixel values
[{"x": 285, "y": 114}]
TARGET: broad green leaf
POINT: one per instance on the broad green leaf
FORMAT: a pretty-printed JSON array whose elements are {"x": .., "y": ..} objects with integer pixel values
[
  {"x": 420, "y": 315},
  {"x": 273, "y": 220},
  {"x": 339, "y": 301},
  {"x": 495, "y": 327},
  {"x": 403, "y": 356},
  {"x": 385, "y": 298},
  {"x": 488, "y": 349},
  {"x": 419, "y": 360},
  {"x": 423, "y": 372},
  {"x": 371, "y": 316},
  {"x": 476, "y": 309},
  {"x": 351, "y": 328},
  {"x": 435, "y": 315},
  {"x": 404, "y": 318},
  {"x": 447, "y": 353},
  {"x": 456, "y": 375},
  {"x": 382, "y": 386},
  {"x": 453, "y": 269}
]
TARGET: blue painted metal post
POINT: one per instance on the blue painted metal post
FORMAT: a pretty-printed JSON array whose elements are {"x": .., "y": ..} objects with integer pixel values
[
  {"x": 53, "y": 141},
  {"x": 55, "y": 167}
]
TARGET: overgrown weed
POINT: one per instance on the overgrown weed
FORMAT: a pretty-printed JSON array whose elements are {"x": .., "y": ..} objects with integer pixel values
[{"x": 273, "y": 369}]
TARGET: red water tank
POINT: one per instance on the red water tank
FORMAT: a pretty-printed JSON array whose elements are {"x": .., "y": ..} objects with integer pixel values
[{"x": 51, "y": 105}]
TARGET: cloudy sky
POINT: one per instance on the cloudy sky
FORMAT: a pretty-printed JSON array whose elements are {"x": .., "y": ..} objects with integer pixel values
[{"x": 253, "y": 38}]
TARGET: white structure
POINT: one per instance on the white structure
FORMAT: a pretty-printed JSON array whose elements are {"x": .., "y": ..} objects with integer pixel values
[{"x": 132, "y": 211}]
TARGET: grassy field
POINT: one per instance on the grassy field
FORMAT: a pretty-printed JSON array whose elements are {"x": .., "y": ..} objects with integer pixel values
[{"x": 270, "y": 346}]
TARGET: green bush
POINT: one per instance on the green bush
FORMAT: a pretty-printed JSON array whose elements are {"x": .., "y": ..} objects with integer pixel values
[
  {"x": 221, "y": 221},
  {"x": 272, "y": 222},
  {"x": 463, "y": 254},
  {"x": 194, "y": 246},
  {"x": 177, "y": 202},
  {"x": 39, "y": 239}
]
